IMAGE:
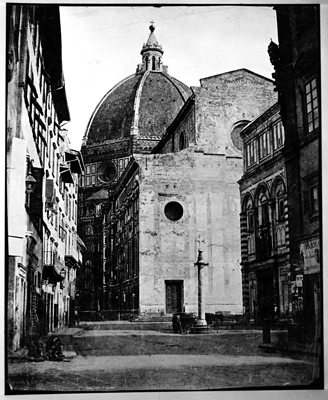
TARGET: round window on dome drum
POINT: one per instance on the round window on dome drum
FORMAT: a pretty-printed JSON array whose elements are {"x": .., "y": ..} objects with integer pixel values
[
  {"x": 107, "y": 172},
  {"x": 173, "y": 211}
]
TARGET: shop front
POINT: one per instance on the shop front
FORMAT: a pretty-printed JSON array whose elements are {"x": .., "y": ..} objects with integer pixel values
[{"x": 311, "y": 300}]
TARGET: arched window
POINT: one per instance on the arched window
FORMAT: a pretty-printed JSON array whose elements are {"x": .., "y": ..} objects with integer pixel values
[
  {"x": 279, "y": 195},
  {"x": 92, "y": 209},
  {"x": 153, "y": 63},
  {"x": 280, "y": 206},
  {"x": 278, "y": 237},
  {"x": 251, "y": 244},
  {"x": 283, "y": 235},
  {"x": 182, "y": 143},
  {"x": 263, "y": 234},
  {"x": 89, "y": 230},
  {"x": 250, "y": 225},
  {"x": 263, "y": 210},
  {"x": 250, "y": 217}
]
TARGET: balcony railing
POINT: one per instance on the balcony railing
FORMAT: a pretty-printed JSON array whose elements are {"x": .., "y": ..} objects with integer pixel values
[
  {"x": 53, "y": 267},
  {"x": 72, "y": 251},
  {"x": 49, "y": 258},
  {"x": 53, "y": 259},
  {"x": 71, "y": 260},
  {"x": 73, "y": 257}
]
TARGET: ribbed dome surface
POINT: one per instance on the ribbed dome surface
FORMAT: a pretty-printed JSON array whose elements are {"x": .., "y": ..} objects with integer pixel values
[{"x": 148, "y": 101}]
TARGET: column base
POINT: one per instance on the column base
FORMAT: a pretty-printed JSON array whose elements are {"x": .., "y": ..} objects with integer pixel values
[{"x": 199, "y": 329}]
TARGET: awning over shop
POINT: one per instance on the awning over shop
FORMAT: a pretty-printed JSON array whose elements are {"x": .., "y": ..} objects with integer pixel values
[
  {"x": 71, "y": 261},
  {"x": 51, "y": 273},
  {"x": 75, "y": 161},
  {"x": 66, "y": 173},
  {"x": 80, "y": 242}
]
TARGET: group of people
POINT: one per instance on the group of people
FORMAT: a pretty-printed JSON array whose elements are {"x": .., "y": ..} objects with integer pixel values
[{"x": 51, "y": 351}]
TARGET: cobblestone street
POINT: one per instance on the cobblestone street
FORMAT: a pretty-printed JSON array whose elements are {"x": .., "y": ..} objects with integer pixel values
[{"x": 121, "y": 360}]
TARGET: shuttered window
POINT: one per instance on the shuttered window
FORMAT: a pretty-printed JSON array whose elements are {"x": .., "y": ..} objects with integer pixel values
[
  {"x": 311, "y": 200},
  {"x": 278, "y": 135},
  {"x": 312, "y": 107},
  {"x": 36, "y": 198},
  {"x": 251, "y": 156},
  {"x": 50, "y": 191}
]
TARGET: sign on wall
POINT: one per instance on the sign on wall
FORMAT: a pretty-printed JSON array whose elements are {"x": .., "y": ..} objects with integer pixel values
[
  {"x": 310, "y": 256},
  {"x": 299, "y": 280}
]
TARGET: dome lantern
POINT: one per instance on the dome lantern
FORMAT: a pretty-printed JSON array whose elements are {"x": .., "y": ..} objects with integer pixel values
[{"x": 152, "y": 53}]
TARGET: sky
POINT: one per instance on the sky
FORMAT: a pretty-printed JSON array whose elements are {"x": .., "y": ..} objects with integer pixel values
[{"x": 101, "y": 46}]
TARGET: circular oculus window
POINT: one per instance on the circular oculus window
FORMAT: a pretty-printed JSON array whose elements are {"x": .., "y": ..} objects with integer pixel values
[
  {"x": 235, "y": 135},
  {"x": 173, "y": 211},
  {"x": 107, "y": 173}
]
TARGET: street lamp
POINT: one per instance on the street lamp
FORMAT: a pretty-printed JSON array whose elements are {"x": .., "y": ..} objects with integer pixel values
[
  {"x": 63, "y": 276},
  {"x": 29, "y": 181}
]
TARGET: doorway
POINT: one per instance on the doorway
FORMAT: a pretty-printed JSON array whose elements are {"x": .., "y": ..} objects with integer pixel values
[
  {"x": 56, "y": 319},
  {"x": 174, "y": 296},
  {"x": 265, "y": 295},
  {"x": 312, "y": 305}
]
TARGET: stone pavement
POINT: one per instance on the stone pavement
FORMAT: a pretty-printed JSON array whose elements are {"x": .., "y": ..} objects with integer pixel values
[
  {"x": 282, "y": 347},
  {"x": 65, "y": 335},
  {"x": 67, "y": 332},
  {"x": 154, "y": 361},
  {"x": 83, "y": 363},
  {"x": 95, "y": 369}
]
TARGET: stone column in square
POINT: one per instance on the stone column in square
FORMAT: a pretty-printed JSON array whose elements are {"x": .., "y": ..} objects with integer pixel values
[{"x": 200, "y": 264}]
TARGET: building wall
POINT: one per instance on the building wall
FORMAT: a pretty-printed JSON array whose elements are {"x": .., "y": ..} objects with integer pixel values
[
  {"x": 168, "y": 249},
  {"x": 20, "y": 225},
  {"x": 225, "y": 99},
  {"x": 41, "y": 226},
  {"x": 296, "y": 61},
  {"x": 181, "y": 134},
  {"x": 265, "y": 243}
]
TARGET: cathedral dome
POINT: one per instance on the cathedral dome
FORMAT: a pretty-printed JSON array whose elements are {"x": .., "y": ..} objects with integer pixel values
[{"x": 141, "y": 106}]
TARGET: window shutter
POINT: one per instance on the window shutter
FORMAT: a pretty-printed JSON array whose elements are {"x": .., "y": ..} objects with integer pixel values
[
  {"x": 49, "y": 190},
  {"x": 306, "y": 201},
  {"x": 36, "y": 197}
]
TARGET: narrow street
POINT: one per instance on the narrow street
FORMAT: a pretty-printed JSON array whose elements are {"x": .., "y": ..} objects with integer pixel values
[{"x": 130, "y": 359}]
